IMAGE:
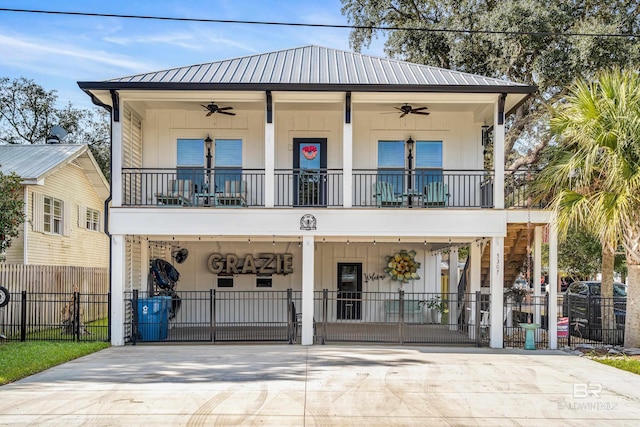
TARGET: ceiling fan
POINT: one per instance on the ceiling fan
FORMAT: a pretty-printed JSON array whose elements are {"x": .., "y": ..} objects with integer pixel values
[
  {"x": 213, "y": 108},
  {"x": 408, "y": 109}
]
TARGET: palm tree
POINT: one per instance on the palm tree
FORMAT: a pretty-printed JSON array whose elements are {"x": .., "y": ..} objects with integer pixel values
[{"x": 593, "y": 177}]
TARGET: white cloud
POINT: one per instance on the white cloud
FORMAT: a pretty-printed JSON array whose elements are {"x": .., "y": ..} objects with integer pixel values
[{"x": 25, "y": 52}]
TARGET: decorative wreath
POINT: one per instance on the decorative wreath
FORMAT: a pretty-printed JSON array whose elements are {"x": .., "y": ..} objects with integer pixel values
[
  {"x": 310, "y": 152},
  {"x": 402, "y": 266}
]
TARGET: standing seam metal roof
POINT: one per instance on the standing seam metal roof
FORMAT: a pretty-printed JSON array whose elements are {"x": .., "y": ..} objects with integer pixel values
[
  {"x": 315, "y": 65},
  {"x": 32, "y": 162}
]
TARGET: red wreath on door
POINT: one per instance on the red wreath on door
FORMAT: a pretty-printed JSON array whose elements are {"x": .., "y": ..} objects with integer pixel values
[{"x": 309, "y": 152}]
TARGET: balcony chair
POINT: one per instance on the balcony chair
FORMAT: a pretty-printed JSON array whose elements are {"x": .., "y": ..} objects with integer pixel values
[
  {"x": 436, "y": 194},
  {"x": 235, "y": 194},
  {"x": 385, "y": 196},
  {"x": 180, "y": 193}
]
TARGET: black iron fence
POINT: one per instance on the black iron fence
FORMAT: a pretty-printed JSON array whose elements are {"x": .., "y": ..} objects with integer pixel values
[
  {"x": 308, "y": 187},
  {"x": 216, "y": 187},
  {"x": 276, "y": 316},
  {"x": 579, "y": 321},
  {"x": 394, "y": 188},
  {"x": 74, "y": 316},
  {"x": 422, "y": 188}
]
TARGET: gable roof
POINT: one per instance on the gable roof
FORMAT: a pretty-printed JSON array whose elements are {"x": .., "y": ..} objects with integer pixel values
[
  {"x": 33, "y": 163},
  {"x": 312, "y": 68}
]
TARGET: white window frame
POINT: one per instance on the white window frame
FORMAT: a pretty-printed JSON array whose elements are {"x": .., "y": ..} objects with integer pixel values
[
  {"x": 92, "y": 219},
  {"x": 53, "y": 223}
]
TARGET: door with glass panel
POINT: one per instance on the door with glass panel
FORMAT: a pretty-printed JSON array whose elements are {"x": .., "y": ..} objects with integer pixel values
[
  {"x": 349, "y": 291},
  {"x": 310, "y": 172}
]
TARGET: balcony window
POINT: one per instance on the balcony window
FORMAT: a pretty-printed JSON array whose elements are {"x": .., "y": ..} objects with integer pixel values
[
  {"x": 428, "y": 166},
  {"x": 391, "y": 162},
  {"x": 190, "y": 162},
  {"x": 227, "y": 161}
]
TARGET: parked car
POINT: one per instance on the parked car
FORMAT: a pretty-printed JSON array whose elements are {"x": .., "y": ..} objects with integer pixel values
[{"x": 582, "y": 303}]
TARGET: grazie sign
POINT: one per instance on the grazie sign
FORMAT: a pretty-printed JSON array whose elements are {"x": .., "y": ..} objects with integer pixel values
[{"x": 262, "y": 264}]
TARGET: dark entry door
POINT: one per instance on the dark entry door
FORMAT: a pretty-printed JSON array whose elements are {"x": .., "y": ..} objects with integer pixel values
[
  {"x": 349, "y": 291},
  {"x": 310, "y": 171}
]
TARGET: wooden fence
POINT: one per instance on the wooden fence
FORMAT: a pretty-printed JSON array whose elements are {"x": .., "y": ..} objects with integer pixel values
[
  {"x": 54, "y": 279},
  {"x": 43, "y": 295}
]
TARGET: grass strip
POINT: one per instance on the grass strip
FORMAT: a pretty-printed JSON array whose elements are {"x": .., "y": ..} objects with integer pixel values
[
  {"x": 21, "y": 359},
  {"x": 624, "y": 363}
]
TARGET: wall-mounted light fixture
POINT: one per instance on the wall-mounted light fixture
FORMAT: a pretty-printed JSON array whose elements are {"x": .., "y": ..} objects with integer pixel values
[{"x": 486, "y": 135}]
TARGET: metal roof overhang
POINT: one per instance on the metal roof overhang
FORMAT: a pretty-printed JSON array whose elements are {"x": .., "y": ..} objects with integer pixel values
[{"x": 100, "y": 92}]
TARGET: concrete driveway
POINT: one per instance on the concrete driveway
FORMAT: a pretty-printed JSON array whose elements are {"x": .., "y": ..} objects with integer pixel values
[{"x": 346, "y": 385}]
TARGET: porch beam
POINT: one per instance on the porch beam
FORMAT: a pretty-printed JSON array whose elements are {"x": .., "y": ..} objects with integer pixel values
[
  {"x": 553, "y": 287},
  {"x": 537, "y": 271},
  {"x": 347, "y": 156},
  {"x": 118, "y": 280},
  {"x": 454, "y": 278},
  {"x": 475, "y": 256},
  {"x": 116, "y": 163},
  {"x": 308, "y": 255},
  {"x": 497, "y": 292},
  {"x": 498, "y": 153},
  {"x": 269, "y": 154}
]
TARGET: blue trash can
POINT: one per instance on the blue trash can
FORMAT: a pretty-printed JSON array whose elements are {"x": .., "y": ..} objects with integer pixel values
[{"x": 153, "y": 318}]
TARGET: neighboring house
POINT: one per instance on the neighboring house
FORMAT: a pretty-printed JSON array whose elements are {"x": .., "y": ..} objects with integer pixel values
[
  {"x": 304, "y": 169},
  {"x": 64, "y": 194}
]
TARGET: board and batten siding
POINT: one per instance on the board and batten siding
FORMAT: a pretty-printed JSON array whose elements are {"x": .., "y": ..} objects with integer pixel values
[
  {"x": 81, "y": 247},
  {"x": 460, "y": 135}
]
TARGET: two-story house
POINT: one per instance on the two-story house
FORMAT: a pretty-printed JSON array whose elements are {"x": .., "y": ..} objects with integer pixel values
[{"x": 333, "y": 178}]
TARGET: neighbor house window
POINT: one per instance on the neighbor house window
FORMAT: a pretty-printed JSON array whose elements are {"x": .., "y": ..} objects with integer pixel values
[
  {"x": 52, "y": 215},
  {"x": 190, "y": 162},
  {"x": 227, "y": 161},
  {"x": 391, "y": 161},
  {"x": 93, "y": 219}
]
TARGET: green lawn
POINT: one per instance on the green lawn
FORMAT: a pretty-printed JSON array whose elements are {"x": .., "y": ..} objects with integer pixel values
[
  {"x": 21, "y": 359},
  {"x": 624, "y": 363}
]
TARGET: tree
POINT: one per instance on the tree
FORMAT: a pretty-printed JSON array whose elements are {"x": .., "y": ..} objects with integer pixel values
[
  {"x": 550, "y": 61},
  {"x": 11, "y": 210},
  {"x": 593, "y": 176},
  {"x": 28, "y": 112}
]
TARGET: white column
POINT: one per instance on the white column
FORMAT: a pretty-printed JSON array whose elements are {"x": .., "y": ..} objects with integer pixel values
[
  {"x": 431, "y": 272},
  {"x": 553, "y": 286},
  {"x": 347, "y": 165},
  {"x": 498, "y": 161},
  {"x": 144, "y": 264},
  {"x": 537, "y": 273},
  {"x": 308, "y": 264},
  {"x": 270, "y": 160},
  {"x": 454, "y": 278},
  {"x": 118, "y": 279},
  {"x": 116, "y": 162},
  {"x": 475, "y": 274},
  {"x": 497, "y": 292}
]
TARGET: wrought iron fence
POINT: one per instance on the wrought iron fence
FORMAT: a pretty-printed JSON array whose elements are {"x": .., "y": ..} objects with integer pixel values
[
  {"x": 308, "y": 187},
  {"x": 425, "y": 188},
  {"x": 579, "y": 320},
  {"x": 194, "y": 187},
  {"x": 275, "y": 316},
  {"x": 71, "y": 316}
]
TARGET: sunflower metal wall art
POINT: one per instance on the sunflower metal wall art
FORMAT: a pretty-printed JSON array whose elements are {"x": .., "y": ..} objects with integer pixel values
[{"x": 402, "y": 266}]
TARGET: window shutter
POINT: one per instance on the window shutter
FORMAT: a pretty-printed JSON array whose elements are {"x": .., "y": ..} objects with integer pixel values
[
  {"x": 82, "y": 216},
  {"x": 66, "y": 219},
  {"x": 37, "y": 221}
]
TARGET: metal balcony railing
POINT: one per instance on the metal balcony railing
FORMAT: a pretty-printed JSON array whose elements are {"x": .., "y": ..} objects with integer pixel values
[
  {"x": 372, "y": 188},
  {"x": 308, "y": 188}
]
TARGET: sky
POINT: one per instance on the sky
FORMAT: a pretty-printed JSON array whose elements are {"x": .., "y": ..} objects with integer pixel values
[{"x": 57, "y": 51}]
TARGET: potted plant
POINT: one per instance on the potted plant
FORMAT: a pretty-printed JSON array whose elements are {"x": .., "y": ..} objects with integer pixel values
[{"x": 433, "y": 309}]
